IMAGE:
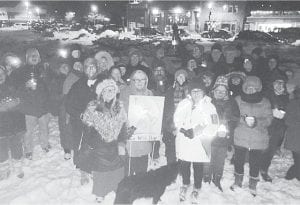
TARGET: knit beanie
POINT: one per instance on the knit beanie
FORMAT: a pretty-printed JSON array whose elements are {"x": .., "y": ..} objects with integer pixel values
[
  {"x": 104, "y": 84},
  {"x": 216, "y": 46},
  {"x": 221, "y": 80},
  {"x": 179, "y": 72},
  {"x": 252, "y": 81},
  {"x": 196, "y": 83}
]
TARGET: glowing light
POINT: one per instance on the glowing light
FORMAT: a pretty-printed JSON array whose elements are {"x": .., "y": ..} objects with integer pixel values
[
  {"x": 222, "y": 128},
  {"x": 155, "y": 11},
  {"x": 178, "y": 10},
  {"x": 94, "y": 8},
  {"x": 37, "y": 9},
  {"x": 210, "y": 5},
  {"x": 63, "y": 53},
  {"x": 27, "y": 4},
  {"x": 224, "y": 7}
]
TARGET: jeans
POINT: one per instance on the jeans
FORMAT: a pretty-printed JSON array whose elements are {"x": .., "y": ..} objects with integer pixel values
[
  {"x": 185, "y": 170},
  {"x": 254, "y": 160},
  {"x": 13, "y": 144},
  {"x": 77, "y": 129},
  {"x": 64, "y": 129},
  {"x": 31, "y": 122},
  {"x": 170, "y": 152}
]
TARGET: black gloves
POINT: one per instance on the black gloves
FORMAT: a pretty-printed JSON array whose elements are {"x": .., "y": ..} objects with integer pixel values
[{"x": 188, "y": 133}]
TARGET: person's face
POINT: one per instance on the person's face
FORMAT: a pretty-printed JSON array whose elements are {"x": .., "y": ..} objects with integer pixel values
[
  {"x": 134, "y": 60},
  {"x": 116, "y": 75},
  {"x": 197, "y": 94},
  {"x": 123, "y": 70},
  {"x": 160, "y": 53},
  {"x": 216, "y": 54},
  {"x": 75, "y": 53},
  {"x": 2, "y": 76},
  {"x": 90, "y": 71},
  {"x": 103, "y": 64},
  {"x": 191, "y": 65},
  {"x": 251, "y": 89},
  {"x": 247, "y": 65},
  {"x": 236, "y": 81},
  {"x": 279, "y": 86},
  {"x": 207, "y": 80},
  {"x": 220, "y": 92},
  {"x": 229, "y": 56},
  {"x": 109, "y": 93},
  {"x": 140, "y": 81},
  {"x": 34, "y": 58},
  {"x": 272, "y": 63},
  {"x": 78, "y": 67},
  {"x": 196, "y": 52},
  {"x": 159, "y": 73},
  {"x": 180, "y": 79},
  {"x": 289, "y": 74},
  {"x": 64, "y": 69}
]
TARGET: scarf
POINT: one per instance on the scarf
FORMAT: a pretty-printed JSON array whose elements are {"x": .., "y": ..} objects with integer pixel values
[
  {"x": 252, "y": 98},
  {"x": 107, "y": 124}
]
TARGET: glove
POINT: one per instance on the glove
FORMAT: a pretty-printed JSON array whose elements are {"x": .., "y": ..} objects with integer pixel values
[
  {"x": 188, "y": 133},
  {"x": 279, "y": 114},
  {"x": 250, "y": 121},
  {"x": 130, "y": 131}
]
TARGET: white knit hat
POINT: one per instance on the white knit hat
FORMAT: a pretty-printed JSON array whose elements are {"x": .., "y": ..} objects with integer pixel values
[{"x": 104, "y": 84}]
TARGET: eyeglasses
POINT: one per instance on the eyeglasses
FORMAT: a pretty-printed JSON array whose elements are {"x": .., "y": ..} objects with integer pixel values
[{"x": 139, "y": 80}]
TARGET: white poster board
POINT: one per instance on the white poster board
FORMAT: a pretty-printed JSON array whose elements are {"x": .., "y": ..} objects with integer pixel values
[{"x": 146, "y": 113}]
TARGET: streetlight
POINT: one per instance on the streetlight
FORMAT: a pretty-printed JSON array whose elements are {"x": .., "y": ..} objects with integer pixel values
[
  {"x": 37, "y": 9},
  {"x": 94, "y": 9},
  {"x": 155, "y": 11},
  {"x": 27, "y": 4}
]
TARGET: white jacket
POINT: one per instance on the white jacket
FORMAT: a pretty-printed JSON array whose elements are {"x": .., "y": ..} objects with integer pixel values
[{"x": 188, "y": 116}]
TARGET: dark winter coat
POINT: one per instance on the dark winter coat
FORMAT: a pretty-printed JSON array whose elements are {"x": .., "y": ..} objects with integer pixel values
[
  {"x": 32, "y": 102},
  {"x": 292, "y": 120},
  {"x": 217, "y": 68},
  {"x": 56, "y": 94},
  {"x": 11, "y": 121},
  {"x": 229, "y": 115},
  {"x": 257, "y": 137}
]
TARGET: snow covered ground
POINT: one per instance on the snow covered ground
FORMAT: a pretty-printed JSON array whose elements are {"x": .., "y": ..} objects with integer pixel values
[{"x": 49, "y": 179}]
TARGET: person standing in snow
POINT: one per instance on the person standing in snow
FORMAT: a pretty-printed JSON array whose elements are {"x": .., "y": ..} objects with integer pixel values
[
  {"x": 12, "y": 129},
  {"x": 81, "y": 93},
  {"x": 216, "y": 61},
  {"x": 104, "y": 138},
  {"x": 279, "y": 99},
  {"x": 34, "y": 98},
  {"x": 196, "y": 123},
  {"x": 229, "y": 115},
  {"x": 292, "y": 142},
  {"x": 174, "y": 95},
  {"x": 251, "y": 133},
  {"x": 138, "y": 151}
]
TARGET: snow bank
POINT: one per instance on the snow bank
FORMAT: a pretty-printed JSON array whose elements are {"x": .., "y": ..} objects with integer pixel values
[
  {"x": 81, "y": 37},
  {"x": 109, "y": 34}
]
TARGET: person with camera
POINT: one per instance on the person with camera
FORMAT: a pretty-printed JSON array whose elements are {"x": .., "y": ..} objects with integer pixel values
[
  {"x": 251, "y": 133},
  {"x": 196, "y": 123}
]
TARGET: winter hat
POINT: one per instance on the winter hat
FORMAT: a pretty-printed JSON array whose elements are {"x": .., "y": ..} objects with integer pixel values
[
  {"x": 216, "y": 46},
  {"x": 196, "y": 83},
  {"x": 75, "y": 47},
  {"x": 221, "y": 80},
  {"x": 179, "y": 72},
  {"x": 274, "y": 56},
  {"x": 104, "y": 84},
  {"x": 106, "y": 55},
  {"x": 236, "y": 74},
  {"x": 252, "y": 81},
  {"x": 258, "y": 51}
]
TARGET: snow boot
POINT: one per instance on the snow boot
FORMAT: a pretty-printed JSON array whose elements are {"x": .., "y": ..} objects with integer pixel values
[
  {"x": 252, "y": 185},
  {"x": 84, "y": 178},
  {"x": 4, "y": 170},
  {"x": 265, "y": 176},
  {"x": 182, "y": 194},
  {"x": 28, "y": 155},
  {"x": 18, "y": 168},
  {"x": 217, "y": 181},
  {"x": 238, "y": 180},
  {"x": 195, "y": 196}
]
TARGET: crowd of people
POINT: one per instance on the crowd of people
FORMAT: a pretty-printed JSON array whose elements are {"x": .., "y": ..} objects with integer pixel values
[{"x": 211, "y": 105}]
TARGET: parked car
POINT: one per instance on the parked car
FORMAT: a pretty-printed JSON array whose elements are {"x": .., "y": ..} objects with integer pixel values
[
  {"x": 288, "y": 34},
  {"x": 143, "y": 31},
  {"x": 21, "y": 26},
  {"x": 182, "y": 32},
  {"x": 257, "y": 36},
  {"x": 216, "y": 34}
]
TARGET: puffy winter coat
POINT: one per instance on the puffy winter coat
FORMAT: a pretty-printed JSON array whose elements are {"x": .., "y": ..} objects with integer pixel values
[
  {"x": 189, "y": 116},
  {"x": 257, "y": 137}
]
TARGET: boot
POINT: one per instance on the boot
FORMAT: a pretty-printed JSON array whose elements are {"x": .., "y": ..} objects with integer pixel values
[
  {"x": 182, "y": 194},
  {"x": 207, "y": 178},
  {"x": 18, "y": 168},
  {"x": 291, "y": 173},
  {"x": 84, "y": 179},
  {"x": 195, "y": 196},
  {"x": 252, "y": 185},
  {"x": 4, "y": 170},
  {"x": 238, "y": 180},
  {"x": 265, "y": 176},
  {"x": 217, "y": 181}
]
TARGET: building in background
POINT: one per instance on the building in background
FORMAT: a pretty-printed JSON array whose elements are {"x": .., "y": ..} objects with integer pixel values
[
  {"x": 270, "y": 21},
  {"x": 192, "y": 16}
]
